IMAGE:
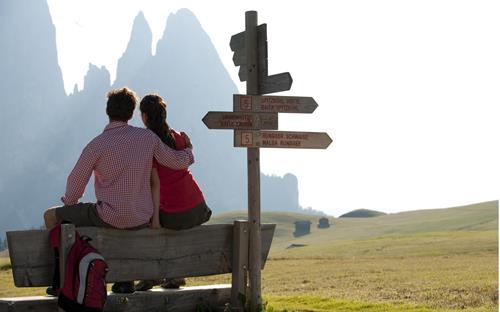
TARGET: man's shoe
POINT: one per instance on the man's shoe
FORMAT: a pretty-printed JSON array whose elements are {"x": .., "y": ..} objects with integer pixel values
[
  {"x": 51, "y": 291},
  {"x": 123, "y": 287},
  {"x": 172, "y": 283},
  {"x": 146, "y": 285}
]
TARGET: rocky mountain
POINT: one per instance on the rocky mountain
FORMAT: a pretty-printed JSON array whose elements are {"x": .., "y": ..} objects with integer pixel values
[
  {"x": 33, "y": 95},
  {"x": 43, "y": 130}
]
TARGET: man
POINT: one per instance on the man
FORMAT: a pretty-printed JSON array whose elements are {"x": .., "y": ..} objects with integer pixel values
[{"x": 121, "y": 159}]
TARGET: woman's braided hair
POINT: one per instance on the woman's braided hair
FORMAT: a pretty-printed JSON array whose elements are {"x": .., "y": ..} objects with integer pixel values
[{"x": 156, "y": 110}]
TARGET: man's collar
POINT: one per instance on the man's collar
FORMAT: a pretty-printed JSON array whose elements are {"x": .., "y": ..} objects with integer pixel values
[{"x": 115, "y": 124}]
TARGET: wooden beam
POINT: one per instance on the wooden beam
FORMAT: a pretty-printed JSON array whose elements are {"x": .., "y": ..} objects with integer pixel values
[
  {"x": 133, "y": 255},
  {"x": 67, "y": 241},
  {"x": 183, "y": 299},
  {"x": 34, "y": 303},
  {"x": 253, "y": 161},
  {"x": 240, "y": 265}
]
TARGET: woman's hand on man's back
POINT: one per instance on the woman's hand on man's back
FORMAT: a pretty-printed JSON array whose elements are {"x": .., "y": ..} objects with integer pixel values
[{"x": 187, "y": 139}]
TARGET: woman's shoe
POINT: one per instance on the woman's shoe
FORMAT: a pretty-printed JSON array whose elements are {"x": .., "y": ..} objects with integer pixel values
[
  {"x": 146, "y": 284},
  {"x": 172, "y": 283},
  {"x": 51, "y": 291},
  {"x": 123, "y": 287}
]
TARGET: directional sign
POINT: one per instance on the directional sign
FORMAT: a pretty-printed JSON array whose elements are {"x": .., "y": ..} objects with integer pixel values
[
  {"x": 275, "y": 83},
  {"x": 237, "y": 42},
  {"x": 240, "y": 57},
  {"x": 231, "y": 120},
  {"x": 267, "y": 84},
  {"x": 281, "y": 139},
  {"x": 273, "y": 104},
  {"x": 237, "y": 45}
]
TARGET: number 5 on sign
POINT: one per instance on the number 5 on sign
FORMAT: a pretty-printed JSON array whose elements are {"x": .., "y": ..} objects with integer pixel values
[{"x": 246, "y": 138}]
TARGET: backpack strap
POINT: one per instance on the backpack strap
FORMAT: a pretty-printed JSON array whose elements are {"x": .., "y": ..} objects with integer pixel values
[{"x": 83, "y": 273}]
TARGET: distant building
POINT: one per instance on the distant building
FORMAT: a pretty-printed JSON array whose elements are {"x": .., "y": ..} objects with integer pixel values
[
  {"x": 302, "y": 228},
  {"x": 324, "y": 223}
]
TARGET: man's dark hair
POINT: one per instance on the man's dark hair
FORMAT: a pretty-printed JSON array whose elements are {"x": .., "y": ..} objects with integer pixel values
[{"x": 121, "y": 104}]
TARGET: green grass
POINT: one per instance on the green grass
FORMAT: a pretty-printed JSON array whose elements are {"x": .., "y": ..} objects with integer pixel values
[
  {"x": 5, "y": 264},
  {"x": 429, "y": 260},
  {"x": 426, "y": 260},
  {"x": 320, "y": 304},
  {"x": 455, "y": 280},
  {"x": 476, "y": 217}
]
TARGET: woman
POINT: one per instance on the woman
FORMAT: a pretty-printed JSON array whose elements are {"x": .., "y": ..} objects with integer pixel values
[{"x": 179, "y": 202}]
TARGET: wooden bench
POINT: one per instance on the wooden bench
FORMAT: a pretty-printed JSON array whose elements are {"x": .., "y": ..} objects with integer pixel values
[{"x": 144, "y": 254}]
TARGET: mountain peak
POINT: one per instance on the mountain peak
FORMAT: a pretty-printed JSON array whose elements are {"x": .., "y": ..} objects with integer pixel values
[
  {"x": 96, "y": 78},
  {"x": 182, "y": 27},
  {"x": 141, "y": 33},
  {"x": 185, "y": 14},
  {"x": 138, "y": 50}
]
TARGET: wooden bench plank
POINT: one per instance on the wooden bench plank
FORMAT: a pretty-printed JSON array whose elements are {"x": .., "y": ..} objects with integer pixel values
[
  {"x": 184, "y": 299},
  {"x": 133, "y": 255}
]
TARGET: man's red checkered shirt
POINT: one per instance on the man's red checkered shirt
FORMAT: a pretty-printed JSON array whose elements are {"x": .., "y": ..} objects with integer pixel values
[{"x": 121, "y": 159}]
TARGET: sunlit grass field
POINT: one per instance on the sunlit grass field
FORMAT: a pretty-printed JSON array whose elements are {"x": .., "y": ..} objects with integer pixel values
[{"x": 427, "y": 260}]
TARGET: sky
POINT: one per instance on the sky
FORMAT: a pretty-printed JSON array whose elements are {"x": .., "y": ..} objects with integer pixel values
[{"x": 409, "y": 91}]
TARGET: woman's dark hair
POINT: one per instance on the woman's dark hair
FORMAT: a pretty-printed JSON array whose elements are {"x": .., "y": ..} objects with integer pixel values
[
  {"x": 156, "y": 110},
  {"x": 121, "y": 104}
]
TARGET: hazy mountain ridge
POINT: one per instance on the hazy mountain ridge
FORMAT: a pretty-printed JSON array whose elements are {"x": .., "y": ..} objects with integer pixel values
[
  {"x": 31, "y": 81},
  {"x": 44, "y": 130}
]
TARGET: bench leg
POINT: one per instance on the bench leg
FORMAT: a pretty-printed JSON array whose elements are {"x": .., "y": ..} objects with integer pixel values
[
  {"x": 239, "y": 265},
  {"x": 67, "y": 241}
]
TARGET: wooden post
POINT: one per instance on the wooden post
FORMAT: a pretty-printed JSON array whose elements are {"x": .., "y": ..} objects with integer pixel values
[
  {"x": 67, "y": 241},
  {"x": 253, "y": 159},
  {"x": 239, "y": 265}
]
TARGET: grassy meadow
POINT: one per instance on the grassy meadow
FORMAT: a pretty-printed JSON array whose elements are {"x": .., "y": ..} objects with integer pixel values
[{"x": 426, "y": 260}]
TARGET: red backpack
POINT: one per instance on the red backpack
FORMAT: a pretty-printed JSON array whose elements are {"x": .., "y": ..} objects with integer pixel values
[{"x": 84, "y": 288}]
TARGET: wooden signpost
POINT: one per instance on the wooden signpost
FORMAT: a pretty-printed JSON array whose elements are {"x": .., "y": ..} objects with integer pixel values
[{"x": 252, "y": 113}]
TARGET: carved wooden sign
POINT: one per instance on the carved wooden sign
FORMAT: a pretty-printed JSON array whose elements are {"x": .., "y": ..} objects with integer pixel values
[
  {"x": 237, "y": 120},
  {"x": 281, "y": 139},
  {"x": 273, "y": 104}
]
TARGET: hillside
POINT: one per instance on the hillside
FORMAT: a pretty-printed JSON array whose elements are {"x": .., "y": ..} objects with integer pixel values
[
  {"x": 362, "y": 213},
  {"x": 437, "y": 260},
  {"x": 481, "y": 216}
]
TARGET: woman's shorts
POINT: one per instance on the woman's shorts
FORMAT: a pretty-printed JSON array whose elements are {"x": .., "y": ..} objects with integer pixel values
[{"x": 198, "y": 215}]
